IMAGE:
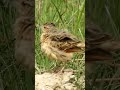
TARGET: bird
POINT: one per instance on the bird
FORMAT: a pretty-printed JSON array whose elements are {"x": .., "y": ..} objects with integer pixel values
[
  {"x": 24, "y": 42},
  {"x": 99, "y": 45},
  {"x": 25, "y": 7},
  {"x": 59, "y": 44},
  {"x": 24, "y": 28}
]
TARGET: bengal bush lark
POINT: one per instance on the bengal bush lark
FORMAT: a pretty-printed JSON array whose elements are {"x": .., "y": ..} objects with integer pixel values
[
  {"x": 97, "y": 41},
  {"x": 24, "y": 33},
  {"x": 25, "y": 7},
  {"x": 24, "y": 43},
  {"x": 99, "y": 45},
  {"x": 59, "y": 44}
]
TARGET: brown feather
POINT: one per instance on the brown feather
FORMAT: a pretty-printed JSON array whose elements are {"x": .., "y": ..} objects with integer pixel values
[{"x": 59, "y": 44}]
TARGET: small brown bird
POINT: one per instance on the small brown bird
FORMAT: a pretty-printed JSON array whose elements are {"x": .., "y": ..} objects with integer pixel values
[
  {"x": 24, "y": 28},
  {"x": 24, "y": 41},
  {"x": 59, "y": 44},
  {"x": 99, "y": 41},
  {"x": 25, "y": 7},
  {"x": 99, "y": 46}
]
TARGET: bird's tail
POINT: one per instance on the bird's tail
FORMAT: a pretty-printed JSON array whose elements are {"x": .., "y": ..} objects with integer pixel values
[
  {"x": 111, "y": 45},
  {"x": 76, "y": 48}
]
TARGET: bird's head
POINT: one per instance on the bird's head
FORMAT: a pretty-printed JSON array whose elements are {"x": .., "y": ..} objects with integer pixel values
[{"x": 47, "y": 27}]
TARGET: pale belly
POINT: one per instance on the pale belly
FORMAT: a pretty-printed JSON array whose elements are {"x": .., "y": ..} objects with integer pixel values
[{"x": 56, "y": 53}]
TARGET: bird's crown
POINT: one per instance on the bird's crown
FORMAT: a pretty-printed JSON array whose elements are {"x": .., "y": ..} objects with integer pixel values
[
  {"x": 49, "y": 24},
  {"x": 48, "y": 27}
]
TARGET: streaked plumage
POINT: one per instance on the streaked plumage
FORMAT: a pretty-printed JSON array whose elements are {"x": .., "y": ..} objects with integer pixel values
[
  {"x": 24, "y": 28},
  {"x": 59, "y": 44},
  {"x": 96, "y": 39},
  {"x": 24, "y": 43},
  {"x": 25, "y": 7},
  {"x": 99, "y": 45}
]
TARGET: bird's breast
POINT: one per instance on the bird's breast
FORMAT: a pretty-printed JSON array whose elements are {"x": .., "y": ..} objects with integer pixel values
[{"x": 55, "y": 53}]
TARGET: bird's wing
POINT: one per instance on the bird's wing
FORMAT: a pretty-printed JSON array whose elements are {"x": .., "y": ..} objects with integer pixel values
[
  {"x": 65, "y": 41},
  {"x": 98, "y": 55},
  {"x": 63, "y": 36},
  {"x": 95, "y": 38}
]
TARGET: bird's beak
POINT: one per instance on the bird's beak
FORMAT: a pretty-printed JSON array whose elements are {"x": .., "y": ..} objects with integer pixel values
[{"x": 42, "y": 27}]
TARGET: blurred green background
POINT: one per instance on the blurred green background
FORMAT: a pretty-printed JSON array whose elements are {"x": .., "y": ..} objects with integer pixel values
[
  {"x": 12, "y": 76},
  {"x": 66, "y": 14},
  {"x": 106, "y": 14}
]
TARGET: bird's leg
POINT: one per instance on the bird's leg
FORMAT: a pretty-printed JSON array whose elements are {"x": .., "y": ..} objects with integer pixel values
[
  {"x": 59, "y": 68},
  {"x": 63, "y": 67}
]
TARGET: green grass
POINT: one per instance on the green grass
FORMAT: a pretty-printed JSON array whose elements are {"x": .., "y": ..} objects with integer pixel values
[
  {"x": 66, "y": 14},
  {"x": 12, "y": 76}
]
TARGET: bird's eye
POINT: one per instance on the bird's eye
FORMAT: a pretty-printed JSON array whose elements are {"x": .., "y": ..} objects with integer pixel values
[
  {"x": 23, "y": 3},
  {"x": 53, "y": 24},
  {"x": 45, "y": 27}
]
